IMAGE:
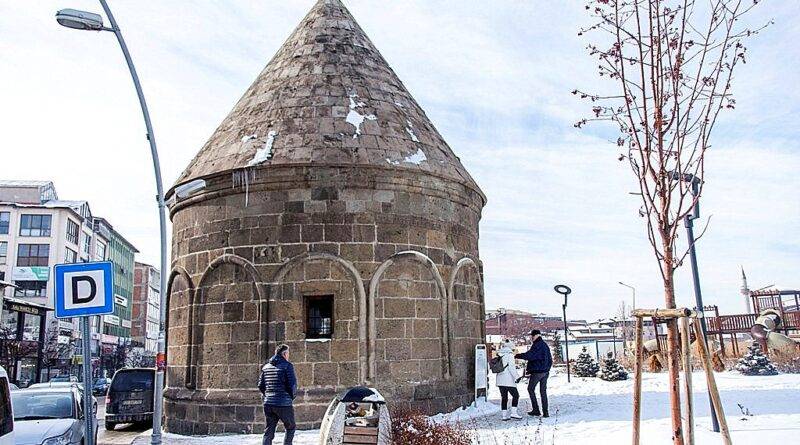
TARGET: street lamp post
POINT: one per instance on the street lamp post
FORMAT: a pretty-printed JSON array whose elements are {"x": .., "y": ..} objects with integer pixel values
[
  {"x": 633, "y": 289},
  {"x": 87, "y": 21},
  {"x": 694, "y": 181},
  {"x": 565, "y": 290},
  {"x": 614, "y": 336}
]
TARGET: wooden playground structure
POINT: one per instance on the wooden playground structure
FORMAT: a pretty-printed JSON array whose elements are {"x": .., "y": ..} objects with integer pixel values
[
  {"x": 729, "y": 330},
  {"x": 786, "y": 303}
]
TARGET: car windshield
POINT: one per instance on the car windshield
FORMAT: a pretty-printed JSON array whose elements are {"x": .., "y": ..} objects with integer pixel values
[
  {"x": 133, "y": 381},
  {"x": 30, "y": 405}
]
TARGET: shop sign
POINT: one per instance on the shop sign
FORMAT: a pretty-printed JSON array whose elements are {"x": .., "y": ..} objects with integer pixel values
[
  {"x": 32, "y": 273},
  {"x": 25, "y": 309}
]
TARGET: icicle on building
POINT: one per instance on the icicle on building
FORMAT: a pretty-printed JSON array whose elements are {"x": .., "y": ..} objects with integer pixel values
[{"x": 325, "y": 212}]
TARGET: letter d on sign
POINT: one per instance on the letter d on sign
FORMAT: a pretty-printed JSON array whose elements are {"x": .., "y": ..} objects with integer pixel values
[{"x": 76, "y": 296}]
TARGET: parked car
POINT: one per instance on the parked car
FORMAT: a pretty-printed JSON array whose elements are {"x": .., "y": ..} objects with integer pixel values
[
  {"x": 64, "y": 378},
  {"x": 50, "y": 416},
  {"x": 52, "y": 384},
  {"x": 6, "y": 413},
  {"x": 130, "y": 397},
  {"x": 100, "y": 386}
]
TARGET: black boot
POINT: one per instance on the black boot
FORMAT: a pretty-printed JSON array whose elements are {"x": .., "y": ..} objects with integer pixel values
[
  {"x": 534, "y": 412},
  {"x": 546, "y": 414}
]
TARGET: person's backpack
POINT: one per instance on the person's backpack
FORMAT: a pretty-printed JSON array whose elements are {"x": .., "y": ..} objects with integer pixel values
[{"x": 496, "y": 365}]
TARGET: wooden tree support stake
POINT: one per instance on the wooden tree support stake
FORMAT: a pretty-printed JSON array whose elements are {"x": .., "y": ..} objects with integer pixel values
[
  {"x": 666, "y": 314},
  {"x": 683, "y": 315},
  {"x": 712, "y": 385},
  {"x": 637, "y": 381},
  {"x": 687, "y": 380}
]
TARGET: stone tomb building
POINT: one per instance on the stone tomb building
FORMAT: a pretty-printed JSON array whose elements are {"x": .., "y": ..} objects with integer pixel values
[{"x": 325, "y": 212}]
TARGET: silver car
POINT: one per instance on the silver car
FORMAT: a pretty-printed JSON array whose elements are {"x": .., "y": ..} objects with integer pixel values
[{"x": 50, "y": 416}]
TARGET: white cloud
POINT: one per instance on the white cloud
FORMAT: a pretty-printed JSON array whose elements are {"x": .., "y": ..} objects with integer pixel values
[{"x": 496, "y": 83}]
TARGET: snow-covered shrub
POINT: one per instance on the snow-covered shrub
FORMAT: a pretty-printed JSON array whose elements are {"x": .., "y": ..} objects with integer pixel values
[
  {"x": 585, "y": 366},
  {"x": 612, "y": 370},
  {"x": 755, "y": 362},
  {"x": 415, "y": 428},
  {"x": 557, "y": 354}
]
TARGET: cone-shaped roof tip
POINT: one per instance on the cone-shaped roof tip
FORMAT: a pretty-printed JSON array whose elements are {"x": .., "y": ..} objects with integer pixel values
[{"x": 327, "y": 97}]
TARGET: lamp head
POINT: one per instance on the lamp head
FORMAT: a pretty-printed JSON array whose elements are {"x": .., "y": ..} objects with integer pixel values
[
  {"x": 82, "y": 20},
  {"x": 563, "y": 289}
]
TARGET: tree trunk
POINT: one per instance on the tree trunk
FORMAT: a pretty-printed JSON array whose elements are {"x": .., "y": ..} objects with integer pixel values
[{"x": 673, "y": 358}]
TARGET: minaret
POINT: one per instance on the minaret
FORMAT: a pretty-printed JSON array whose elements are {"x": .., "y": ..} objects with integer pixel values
[{"x": 745, "y": 291}]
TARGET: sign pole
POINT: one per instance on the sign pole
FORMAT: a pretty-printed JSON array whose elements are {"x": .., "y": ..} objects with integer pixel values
[
  {"x": 84, "y": 290},
  {"x": 88, "y": 406}
]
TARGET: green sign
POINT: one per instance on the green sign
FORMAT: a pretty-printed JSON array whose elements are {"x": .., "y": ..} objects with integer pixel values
[{"x": 31, "y": 273}]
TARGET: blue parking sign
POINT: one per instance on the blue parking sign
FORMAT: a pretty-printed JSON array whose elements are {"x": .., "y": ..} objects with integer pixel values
[{"x": 84, "y": 289}]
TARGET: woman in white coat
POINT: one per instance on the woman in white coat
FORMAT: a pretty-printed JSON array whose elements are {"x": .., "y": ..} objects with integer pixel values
[{"x": 507, "y": 381}]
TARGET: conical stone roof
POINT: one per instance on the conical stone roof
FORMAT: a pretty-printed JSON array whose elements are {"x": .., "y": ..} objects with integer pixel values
[{"x": 328, "y": 97}]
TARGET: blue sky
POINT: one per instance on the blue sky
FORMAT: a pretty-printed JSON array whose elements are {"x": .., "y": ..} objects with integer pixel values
[{"x": 493, "y": 76}]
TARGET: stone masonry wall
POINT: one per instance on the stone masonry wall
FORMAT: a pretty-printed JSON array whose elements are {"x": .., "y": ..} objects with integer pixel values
[{"x": 255, "y": 244}]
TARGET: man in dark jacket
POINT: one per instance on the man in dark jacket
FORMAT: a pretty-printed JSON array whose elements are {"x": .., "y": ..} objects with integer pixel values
[
  {"x": 539, "y": 362},
  {"x": 278, "y": 385}
]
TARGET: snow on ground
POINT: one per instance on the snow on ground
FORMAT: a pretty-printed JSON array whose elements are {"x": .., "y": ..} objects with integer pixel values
[{"x": 592, "y": 411}]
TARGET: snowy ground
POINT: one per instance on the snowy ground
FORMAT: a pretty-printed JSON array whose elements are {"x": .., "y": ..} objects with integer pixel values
[{"x": 592, "y": 411}]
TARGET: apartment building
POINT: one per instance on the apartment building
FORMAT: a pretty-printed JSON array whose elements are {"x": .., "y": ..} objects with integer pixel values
[
  {"x": 146, "y": 308},
  {"x": 37, "y": 231}
]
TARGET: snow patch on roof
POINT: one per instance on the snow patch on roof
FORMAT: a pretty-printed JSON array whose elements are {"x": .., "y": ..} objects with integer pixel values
[
  {"x": 416, "y": 158},
  {"x": 355, "y": 118},
  {"x": 263, "y": 154},
  {"x": 410, "y": 131}
]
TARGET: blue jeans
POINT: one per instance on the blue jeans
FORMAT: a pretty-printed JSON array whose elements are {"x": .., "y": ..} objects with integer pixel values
[
  {"x": 286, "y": 415},
  {"x": 539, "y": 378}
]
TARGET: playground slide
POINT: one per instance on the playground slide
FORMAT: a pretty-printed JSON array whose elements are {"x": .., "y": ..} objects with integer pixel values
[{"x": 763, "y": 331}]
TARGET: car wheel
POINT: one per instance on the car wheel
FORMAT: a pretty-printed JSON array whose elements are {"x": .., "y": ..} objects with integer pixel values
[{"x": 110, "y": 426}]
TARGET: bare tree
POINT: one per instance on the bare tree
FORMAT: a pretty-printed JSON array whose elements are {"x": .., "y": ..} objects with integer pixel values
[
  {"x": 55, "y": 353},
  {"x": 12, "y": 350},
  {"x": 671, "y": 63}
]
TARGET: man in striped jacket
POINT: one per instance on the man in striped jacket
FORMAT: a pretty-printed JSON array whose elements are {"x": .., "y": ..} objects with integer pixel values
[{"x": 278, "y": 386}]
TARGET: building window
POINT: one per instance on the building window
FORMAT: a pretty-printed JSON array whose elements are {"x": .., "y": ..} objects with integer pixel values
[
  {"x": 5, "y": 218},
  {"x": 87, "y": 243},
  {"x": 71, "y": 256},
  {"x": 99, "y": 251},
  {"x": 34, "y": 225},
  {"x": 3, "y": 252},
  {"x": 33, "y": 255},
  {"x": 72, "y": 232},
  {"x": 30, "y": 289},
  {"x": 319, "y": 316}
]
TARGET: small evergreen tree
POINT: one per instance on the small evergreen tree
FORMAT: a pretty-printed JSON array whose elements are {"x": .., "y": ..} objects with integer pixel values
[
  {"x": 755, "y": 362},
  {"x": 612, "y": 370},
  {"x": 557, "y": 354},
  {"x": 585, "y": 366}
]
